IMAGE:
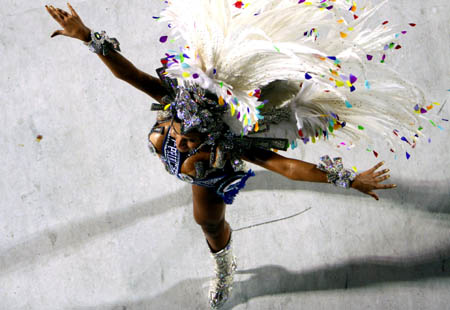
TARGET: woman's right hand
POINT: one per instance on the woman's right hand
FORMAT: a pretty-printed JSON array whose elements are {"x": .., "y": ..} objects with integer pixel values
[{"x": 72, "y": 25}]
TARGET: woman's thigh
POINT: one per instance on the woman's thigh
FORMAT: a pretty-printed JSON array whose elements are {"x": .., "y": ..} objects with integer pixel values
[{"x": 209, "y": 208}]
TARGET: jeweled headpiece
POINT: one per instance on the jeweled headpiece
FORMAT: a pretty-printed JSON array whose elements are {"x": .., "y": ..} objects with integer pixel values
[{"x": 199, "y": 110}]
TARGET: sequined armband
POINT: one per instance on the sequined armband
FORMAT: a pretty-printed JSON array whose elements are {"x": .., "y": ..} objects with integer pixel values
[
  {"x": 102, "y": 44},
  {"x": 336, "y": 173}
]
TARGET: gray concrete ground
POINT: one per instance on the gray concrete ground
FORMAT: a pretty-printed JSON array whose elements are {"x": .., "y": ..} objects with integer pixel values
[{"x": 89, "y": 220}]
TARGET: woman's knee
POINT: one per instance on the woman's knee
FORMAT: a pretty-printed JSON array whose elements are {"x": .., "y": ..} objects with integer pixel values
[
  {"x": 208, "y": 220},
  {"x": 213, "y": 229}
]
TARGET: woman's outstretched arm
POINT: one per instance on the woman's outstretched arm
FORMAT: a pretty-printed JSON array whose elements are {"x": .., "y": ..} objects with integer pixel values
[
  {"x": 298, "y": 170},
  {"x": 121, "y": 67}
]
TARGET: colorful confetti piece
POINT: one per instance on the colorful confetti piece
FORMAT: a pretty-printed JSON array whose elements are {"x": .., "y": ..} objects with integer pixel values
[{"x": 239, "y": 4}]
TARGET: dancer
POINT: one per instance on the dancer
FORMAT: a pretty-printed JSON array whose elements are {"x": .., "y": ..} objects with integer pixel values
[{"x": 247, "y": 85}]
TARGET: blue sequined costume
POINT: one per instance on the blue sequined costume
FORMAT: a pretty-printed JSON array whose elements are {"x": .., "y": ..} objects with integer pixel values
[{"x": 226, "y": 182}]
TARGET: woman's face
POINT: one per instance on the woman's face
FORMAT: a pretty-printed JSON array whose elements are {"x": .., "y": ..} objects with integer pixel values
[{"x": 187, "y": 142}]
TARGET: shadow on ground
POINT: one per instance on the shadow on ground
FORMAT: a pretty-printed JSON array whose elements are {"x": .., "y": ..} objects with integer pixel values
[
  {"x": 75, "y": 233},
  {"x": 432, "y": 198},
  {"x": 273, "y": 280}
]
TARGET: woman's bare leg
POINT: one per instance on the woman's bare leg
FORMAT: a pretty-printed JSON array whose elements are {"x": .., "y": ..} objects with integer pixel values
[{"x": 209, "y": 213}]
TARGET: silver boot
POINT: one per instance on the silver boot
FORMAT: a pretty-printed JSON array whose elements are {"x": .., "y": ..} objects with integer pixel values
[{"x": 225, "y": 266}]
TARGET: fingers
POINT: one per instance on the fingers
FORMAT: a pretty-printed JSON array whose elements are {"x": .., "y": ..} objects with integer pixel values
[
  {"x": 386, "y": 186},
  {"x": 381, "y": 179},
  {"x": 52, "y": 12},
  {"x": 58, "y": 16},
  {"x": 56, "y": 12},
  {"x": 63, "y": 13},
  {"x": 57, "y": 33},
  {"x": 72, "y": 10},
  {"x": 377, "y": 174},
  {"x": 377, "y": 166},
  {"x": 373, "y": 195}
]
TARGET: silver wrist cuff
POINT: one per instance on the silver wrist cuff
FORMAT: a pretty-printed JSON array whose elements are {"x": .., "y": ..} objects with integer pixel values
[
  {"x": 336, "y": 173},
  {"x": 101, "y": 44}
]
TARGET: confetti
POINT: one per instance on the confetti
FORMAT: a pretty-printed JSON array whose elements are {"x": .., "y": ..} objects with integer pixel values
[
  {"x": 39, "y": 138},
  {"x": 339, "y": 83},
  {"x": 239, "y": 4},
  {"x": 407, "y": 155},
  {"x": 163, "y": 39},
  {"x": 369, "y": 57},
  {"x": 375, "y": 153},
  {"x": 307, "y": 76},
  {"x": 367, "y": 84},
  {"x": 353, "y": 79},
  {"x": 195, "y": 76},
  {"x": 347, "y": 104},
  {"x": 360, "y": 127}
]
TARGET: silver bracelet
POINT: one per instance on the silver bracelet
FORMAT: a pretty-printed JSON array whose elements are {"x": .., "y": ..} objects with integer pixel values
[
  {"x": 101, "y": 44},
  {"x": 336, "y": 173}
]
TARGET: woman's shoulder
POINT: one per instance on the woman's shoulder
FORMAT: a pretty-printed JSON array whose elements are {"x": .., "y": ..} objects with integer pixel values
[{"x": 157, "y": 136}]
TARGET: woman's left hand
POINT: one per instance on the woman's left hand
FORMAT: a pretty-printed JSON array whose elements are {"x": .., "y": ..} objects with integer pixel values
[{"x": 369, "y": 180}]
